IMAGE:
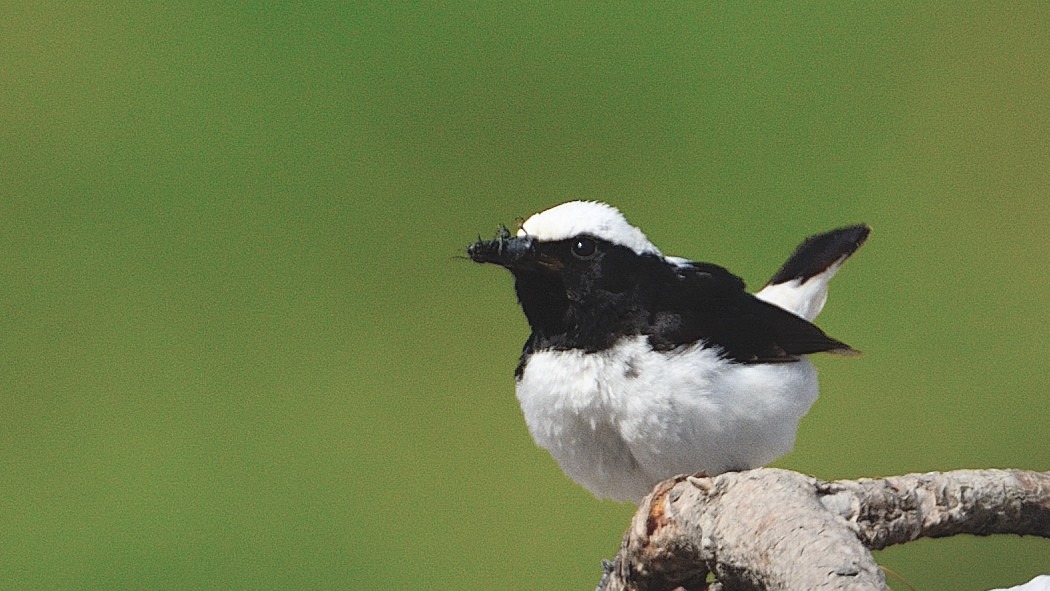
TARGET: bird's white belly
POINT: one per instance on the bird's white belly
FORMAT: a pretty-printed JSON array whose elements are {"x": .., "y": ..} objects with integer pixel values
[{"x": 620, "y": 420}]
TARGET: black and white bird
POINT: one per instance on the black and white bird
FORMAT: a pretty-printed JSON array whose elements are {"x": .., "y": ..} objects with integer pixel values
[{"x": 642, "y": 366}]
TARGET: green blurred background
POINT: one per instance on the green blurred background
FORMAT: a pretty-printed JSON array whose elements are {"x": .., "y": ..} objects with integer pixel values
[{"x": 239, "y": 350}]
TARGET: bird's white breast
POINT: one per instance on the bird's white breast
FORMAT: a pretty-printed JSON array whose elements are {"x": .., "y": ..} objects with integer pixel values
[{"x": 620, "y": 420}]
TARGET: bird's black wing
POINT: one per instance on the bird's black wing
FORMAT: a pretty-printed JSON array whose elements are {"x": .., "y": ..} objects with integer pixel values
[{"x": 709, "y": 303}]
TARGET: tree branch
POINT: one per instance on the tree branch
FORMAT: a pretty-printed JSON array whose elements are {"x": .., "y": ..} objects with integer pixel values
[{"x": 775, "y": 529}]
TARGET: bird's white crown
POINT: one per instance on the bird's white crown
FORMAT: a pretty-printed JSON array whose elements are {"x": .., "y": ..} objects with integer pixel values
[{"x": 586, "y": 217}]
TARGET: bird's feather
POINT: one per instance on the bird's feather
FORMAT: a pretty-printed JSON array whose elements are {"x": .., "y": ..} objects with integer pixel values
[{"x": 710, "y": 305}]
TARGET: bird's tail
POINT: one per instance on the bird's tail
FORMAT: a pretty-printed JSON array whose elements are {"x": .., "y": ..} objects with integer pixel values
[{"x": 801, "y": 284}]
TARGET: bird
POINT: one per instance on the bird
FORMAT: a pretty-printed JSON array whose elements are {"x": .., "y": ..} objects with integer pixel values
[{"x": 640, "y": 366}]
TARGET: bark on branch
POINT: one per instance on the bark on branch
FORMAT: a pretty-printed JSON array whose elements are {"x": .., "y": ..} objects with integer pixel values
[{"x": 775, "y": 529}]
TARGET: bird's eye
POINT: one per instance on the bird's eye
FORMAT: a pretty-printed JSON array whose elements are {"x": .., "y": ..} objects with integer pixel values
[{"x": 584, "y": 248}]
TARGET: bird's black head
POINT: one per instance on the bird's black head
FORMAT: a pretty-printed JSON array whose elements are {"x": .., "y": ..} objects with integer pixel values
[{"x": 582, "y": 283}]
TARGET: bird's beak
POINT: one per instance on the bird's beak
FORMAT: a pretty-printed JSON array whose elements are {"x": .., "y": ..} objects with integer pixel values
[{"x": 504, "y": 250}]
